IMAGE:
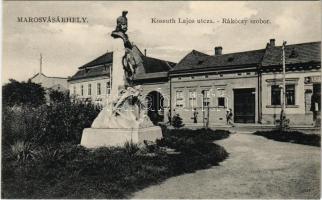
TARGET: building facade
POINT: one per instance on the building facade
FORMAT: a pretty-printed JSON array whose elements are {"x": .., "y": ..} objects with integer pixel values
[
  {"x": 206, "y": 86},
  {"x": 92, "y": 83},
  {"x": 50, "y": 83},
  {"x": 202, "y": 88},
  {"x": 303, "y": 83}
]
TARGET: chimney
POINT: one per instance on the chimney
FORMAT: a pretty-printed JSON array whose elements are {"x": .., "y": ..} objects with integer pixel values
[
  {"x": 272, "y": 42},
  {"x": 218, "y": 51},
  {"x": 144, "y": 52}
]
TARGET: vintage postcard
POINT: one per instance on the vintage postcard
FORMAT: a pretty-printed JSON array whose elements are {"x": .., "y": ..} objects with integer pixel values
[{"x": 161, "y": 100}]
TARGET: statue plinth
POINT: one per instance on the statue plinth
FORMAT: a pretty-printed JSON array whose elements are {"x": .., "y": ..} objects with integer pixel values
[
  {"x": 122, "y": 120},
  {"x": 98, "y": 137}
]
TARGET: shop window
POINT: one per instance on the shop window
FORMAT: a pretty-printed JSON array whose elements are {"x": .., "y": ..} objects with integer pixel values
[
  {"x": 179, "y": 99},
  {"x": 275, "y": 95},
  {"x": 221, "y": 101}
]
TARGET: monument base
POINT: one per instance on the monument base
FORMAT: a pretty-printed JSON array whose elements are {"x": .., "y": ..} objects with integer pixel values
[{"x": 99, "y": 137}]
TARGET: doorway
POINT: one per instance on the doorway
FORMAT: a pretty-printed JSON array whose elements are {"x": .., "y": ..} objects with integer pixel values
[
  {"x": 244, "y": 105},
  {"x": 155, "y": 107}
]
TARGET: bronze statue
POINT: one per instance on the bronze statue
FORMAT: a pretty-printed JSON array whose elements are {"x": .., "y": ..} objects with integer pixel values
[
  {"x": 120, "y": 30},
  {"x": 130, "y": 60}
]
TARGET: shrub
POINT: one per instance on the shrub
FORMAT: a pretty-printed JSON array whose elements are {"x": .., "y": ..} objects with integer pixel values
[
  {"x": 131, "y": 148},
  {"x": 196, "y": 148},
  {"x": 291, "y": 136},
  {"x": 59, "y": 96},
  {"x": 177, "y": 121},
  {"x": 53, "y": 124},
  {"x": 22, "y": 93},
  {"x": 67, "y": 170},
  {"x": 22, "y": 152}
]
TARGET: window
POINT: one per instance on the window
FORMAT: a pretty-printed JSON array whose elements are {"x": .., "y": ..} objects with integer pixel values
[
  {"x": 74, "y": 90},
  {"x": 82, "y": 90},
  {"x": 248, "y": 73},
  {"x": 89, "y": 89},
  {"x": 206, "y": 98},
  {"x": 290, "y": 94},
  {"x": 239, "y": 74},
  {"x": 221, "y": 101},
  {"x": 99, "y": 89},
  {"x": 275, "y": 95},
  {"x": 179, "y": 99},
  {"x": 192, "y": 99},
  {"x": 108, "y": 88}
]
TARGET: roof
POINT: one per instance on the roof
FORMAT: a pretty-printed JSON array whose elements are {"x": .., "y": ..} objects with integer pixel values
[
  {"x": 101, "y": 60},
  {"x": 91, "y": 72},
  {"x": 38, "y": 74},
  {"x": 199, "y": 61},
  {"x": 191, "y": 60},
  {"x": 294, "y": 54},
  {"x": 151, "y": 67}
]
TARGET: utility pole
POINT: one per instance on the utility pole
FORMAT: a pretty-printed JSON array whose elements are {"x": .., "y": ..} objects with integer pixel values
[{"x": 284, "y": 88}]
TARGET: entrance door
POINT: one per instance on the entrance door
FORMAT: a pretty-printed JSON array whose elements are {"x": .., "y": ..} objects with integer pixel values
[
  {"x": 244, "y": 105},
  {"x": 155, "y": 107}
]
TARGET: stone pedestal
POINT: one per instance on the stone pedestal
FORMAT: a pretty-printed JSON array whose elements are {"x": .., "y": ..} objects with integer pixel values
[{"x": 99, "y": 137}]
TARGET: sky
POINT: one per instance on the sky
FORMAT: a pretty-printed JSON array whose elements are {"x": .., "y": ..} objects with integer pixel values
[{"x": 67, "y": 46}]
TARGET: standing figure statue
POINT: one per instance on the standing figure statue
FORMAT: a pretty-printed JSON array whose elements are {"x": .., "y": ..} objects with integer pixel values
[
  {"x": 124, "y": 107},
  {"x": 124, "y": 117}
]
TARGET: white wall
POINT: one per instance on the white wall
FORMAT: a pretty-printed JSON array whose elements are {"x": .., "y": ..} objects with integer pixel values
[
  {"x": 48, "y": 82},
  {"x": 94, "y": 96},
  {"x": 299, "y": 107}
]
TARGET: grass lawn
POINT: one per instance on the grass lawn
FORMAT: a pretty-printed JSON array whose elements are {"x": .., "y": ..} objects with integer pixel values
[
  {"x": 70, "y": 171},
  {"x": 292, "y": 136}
]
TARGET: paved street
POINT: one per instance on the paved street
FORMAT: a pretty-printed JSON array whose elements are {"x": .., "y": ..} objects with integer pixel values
[{"x": 256, "y": 168}]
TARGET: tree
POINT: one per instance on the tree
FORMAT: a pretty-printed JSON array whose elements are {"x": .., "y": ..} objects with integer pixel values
[
  {"x": 22, "y": 93},
  {"x": 58, "y": 96}
]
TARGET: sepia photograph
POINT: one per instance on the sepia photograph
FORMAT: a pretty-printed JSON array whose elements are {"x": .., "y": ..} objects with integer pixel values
[{"x": 161, "y": 100}]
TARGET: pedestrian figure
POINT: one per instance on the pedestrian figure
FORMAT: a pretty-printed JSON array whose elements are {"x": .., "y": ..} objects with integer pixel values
[
  {"x": 229, "y": 117},
  {"x": 195, "y": 115}
]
